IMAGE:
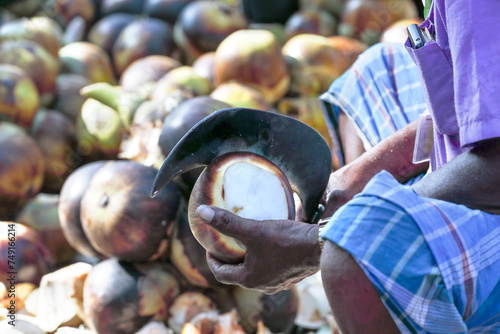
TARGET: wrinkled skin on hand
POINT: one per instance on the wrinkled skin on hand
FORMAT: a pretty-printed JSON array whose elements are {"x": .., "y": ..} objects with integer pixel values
[{"x": 280, "y": 253}]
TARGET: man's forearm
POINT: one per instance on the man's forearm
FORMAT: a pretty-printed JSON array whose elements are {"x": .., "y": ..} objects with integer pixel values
[
  {"x": 471, "y": 179},
  {"x": 394, "y": 154}
]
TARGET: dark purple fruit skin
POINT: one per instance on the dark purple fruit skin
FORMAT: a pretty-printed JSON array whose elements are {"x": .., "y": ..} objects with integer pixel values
[
  {"x": 68, "y": 99},
  {"x": 120, "y": 6},
  {"x": 71, "y": 195},
  {"x": 111, "y": 288},
  {"x": 196, "y": 254},
  {"x": 143, "y": 37},
  {"x": 166, "y": 10},
  {"x": 56, "y": 136},
  {"x": 184, "y": 117},
  {"x": 135, "y": 232},
  {"x": 201, "y": 29},
  {"x": 105, "y": 32}
]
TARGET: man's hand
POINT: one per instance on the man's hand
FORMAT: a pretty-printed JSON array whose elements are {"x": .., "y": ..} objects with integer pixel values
[{"x": 280, "y": 253}]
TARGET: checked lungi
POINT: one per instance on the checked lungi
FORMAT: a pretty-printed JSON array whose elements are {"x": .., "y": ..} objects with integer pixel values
[
  {"x": 435, "y": 264},
  {"x": 381, "y": 93}
]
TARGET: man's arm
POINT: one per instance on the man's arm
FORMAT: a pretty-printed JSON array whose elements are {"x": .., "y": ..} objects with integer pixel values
[
  {"x": 394, "y": 154},
  {"x": 471, "y": 179}
]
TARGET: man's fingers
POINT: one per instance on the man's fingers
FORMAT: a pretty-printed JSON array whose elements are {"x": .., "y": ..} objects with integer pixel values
[
  {"x": 226, "y": 273},
  {"x": 227, "y": 223}
]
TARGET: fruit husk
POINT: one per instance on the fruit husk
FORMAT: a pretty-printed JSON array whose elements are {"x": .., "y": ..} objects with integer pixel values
[
  {"x": 68, "y": 99},
  {"x": 120, "y": 298},
  {"x": 204, "y": 66},
  {"x": 56, "y": 136},
  {"x": 123, "y": 103},
  {"x": 75, "y": 30},
  {"x": 60, "y": 297},
  {"x": 98, "y": 129},
  {"x": 39, "y": 64},
  {"x": 32, "y": 258},
  {"x": 41, "y": 214},
  {"x": 310, "y": 21},
  {"x": 396, "y": 32},
  {"x": 146, "y": 70},
  {"x": 253, "y": 58},
  {"x": 188, "y": 256},
  {"x": 105, "y": 31},
  {"x": 297, "y": 149},
  {"x": 185, "y": 307},
  {"x": 42, "y": 30},
  {"x": 141, "y": 38},
  {"x": 203, "y": 25},
  {"x": 69, "y": 208},
  {"x": 349, "y": 48},
  {"x": 118, "y": 216},
  {"x": 63, "y": 11},
  {"x": 166, "y": 10},
  {"x": 19, "y": 99},
  {"x": 239, "y": 95},
  {"x": 20, "y": 294},
  {"x": 87, "y": 59},
  {"x": 184, "y": 117},
  {"x": 276, "y": 311},
  {"x": 365, "y": 20},
  {"x": 22, "y": 169},
  {"x": 317, "y": 57},
  {"x": 109, "y": 7},
  {"x": 181, "y": 78}
]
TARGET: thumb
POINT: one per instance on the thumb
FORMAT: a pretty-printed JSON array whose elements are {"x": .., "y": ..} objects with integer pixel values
[{"x": 228, "y": 223}]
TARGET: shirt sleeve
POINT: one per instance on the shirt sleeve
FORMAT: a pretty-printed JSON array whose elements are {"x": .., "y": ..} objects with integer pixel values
[{"x": 473, "y": 30}]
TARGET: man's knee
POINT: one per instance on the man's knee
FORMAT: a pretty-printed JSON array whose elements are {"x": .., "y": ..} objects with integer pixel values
[{"x": 355, "y": 303}]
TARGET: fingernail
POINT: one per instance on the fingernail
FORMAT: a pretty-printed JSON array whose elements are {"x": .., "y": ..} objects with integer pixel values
[{"x": 206, "y": 213}]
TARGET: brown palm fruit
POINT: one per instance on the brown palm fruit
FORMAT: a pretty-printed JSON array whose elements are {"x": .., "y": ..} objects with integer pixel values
[
  {"x": 119, "y": 217},
  {"x": 88, "y": 60},
  {"x": 147, "y": 70},
  {"x": 21, "y": 169},
  {"x": 141, "y": 38},
  {"x": 165, "y": 10},
  {"x": 39, "y": 64},
  {"x": 239, "y": 95},
  {"x": 98, "y": 129},
  {"x": 396, "y": 32},
  {"x": 69, "y": 207},
  {"x": 310, "y": 21},
  {"x": 56, "y": 136},
  {"x": 185, "y": 307},
  {"x": 19, "y": 98},
  {"x": 253, "y": 58},
  {"x": 188, "y": 256},
  {"x": 317, "y": 58},
  {"x": 276, "y": 311},
  {"x": 203, "y": 25},
  {"x": 105, "y": 31},
  {"x": 63, "y": 11},
  {"x": 365, "y": 20},
  {"x": 41, "y": 214},
  {"x": 181, "y": 78},
  {"x": 68, "y": 99},
  {"x": 109, "y": 7},
  {"x": 42, "y": 30},
  {"x": 204, "y": 66},
  {"x": 120, "y": 297},
  {"x": 349, "y": 48},
  {"x": 29, "y": 260}
]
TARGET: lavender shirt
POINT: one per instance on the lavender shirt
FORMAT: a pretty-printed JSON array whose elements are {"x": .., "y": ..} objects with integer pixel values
[{"x": 461, "y": 74}]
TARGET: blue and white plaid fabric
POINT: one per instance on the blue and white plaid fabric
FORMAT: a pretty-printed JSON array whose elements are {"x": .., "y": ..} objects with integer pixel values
[
  {"x": 435, "y": 264},
  {"x": 381, "y": 93}
]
